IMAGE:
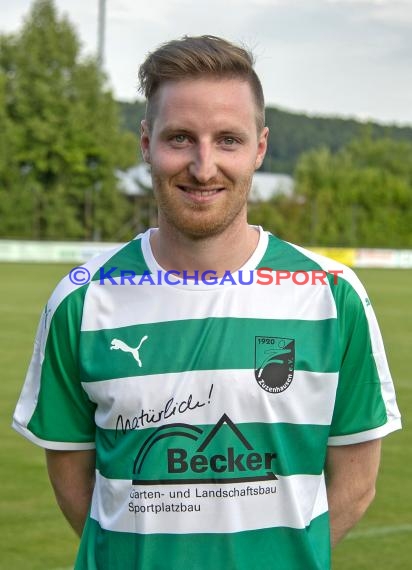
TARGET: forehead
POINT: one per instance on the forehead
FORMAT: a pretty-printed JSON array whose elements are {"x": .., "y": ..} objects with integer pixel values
[{"x": 219, "y": 101}]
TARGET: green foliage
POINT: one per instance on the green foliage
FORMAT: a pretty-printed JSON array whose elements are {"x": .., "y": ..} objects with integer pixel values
[
  {"x": 61, "y": 140},
  {"x": 362, "y": 195},
  {"x": 292, "y": 134},
  {"x": 359, "y": 196},
  {"x": 281, "y": 215},
  {"x": 132, "y": 115}
]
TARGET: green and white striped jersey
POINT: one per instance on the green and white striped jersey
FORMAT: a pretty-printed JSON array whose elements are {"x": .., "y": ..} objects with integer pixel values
[{"x": 210, "y": 406}]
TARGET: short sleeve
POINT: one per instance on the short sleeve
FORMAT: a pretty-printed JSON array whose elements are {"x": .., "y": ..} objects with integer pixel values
[
  {"x": 54, "y": 411},
  {"x": 365, "y": 406}
]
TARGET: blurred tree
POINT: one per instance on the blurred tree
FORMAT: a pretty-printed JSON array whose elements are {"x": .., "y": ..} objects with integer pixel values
[
  {"x": 360, "y": 196},
  {"x": 61, "y": 142},
  {"x": 291, "y": 134}
]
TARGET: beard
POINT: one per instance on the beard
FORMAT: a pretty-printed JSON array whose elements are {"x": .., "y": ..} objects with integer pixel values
[{"x": 200, "y": 220}]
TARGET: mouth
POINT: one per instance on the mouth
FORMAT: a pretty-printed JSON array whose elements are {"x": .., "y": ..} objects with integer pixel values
[{"x": 200, "y": 192}]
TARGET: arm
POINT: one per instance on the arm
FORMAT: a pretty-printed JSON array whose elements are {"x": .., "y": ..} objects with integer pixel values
[
  {"x": 351, "y": 472},
  {"x": 72, "y": 475}
]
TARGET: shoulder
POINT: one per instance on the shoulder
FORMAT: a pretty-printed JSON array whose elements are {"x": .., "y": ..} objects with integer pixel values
[
  {"x": 69, "y": 294},
  {"x": 345, "y": 285}
]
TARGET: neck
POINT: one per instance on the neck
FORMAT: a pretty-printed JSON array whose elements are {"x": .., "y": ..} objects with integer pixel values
[{"x": 227, "y": 251}]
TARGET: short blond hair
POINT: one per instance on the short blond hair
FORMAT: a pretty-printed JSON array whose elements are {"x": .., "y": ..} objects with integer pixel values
[{"x": 193, "y": 57}]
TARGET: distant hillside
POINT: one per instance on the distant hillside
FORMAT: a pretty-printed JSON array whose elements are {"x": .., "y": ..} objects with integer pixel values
[{"x": 291, "y": 134}]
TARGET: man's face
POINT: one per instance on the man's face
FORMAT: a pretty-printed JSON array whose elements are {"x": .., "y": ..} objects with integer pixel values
[{"x": 203, "y": 148}]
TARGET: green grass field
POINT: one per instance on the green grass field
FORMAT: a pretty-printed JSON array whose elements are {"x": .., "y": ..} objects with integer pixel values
[{"x": 33, "y": 533}]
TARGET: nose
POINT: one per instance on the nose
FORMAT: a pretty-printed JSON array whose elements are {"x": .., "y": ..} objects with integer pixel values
[{"x": 203, "y": 165}]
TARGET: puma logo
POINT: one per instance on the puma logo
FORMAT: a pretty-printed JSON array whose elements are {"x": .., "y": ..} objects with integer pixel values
[{"x": 120, "y": 345}]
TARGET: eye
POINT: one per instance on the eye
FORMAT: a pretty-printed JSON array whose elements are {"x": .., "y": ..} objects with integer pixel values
[
  {"x": 229, "y": 141},
  {"x": 180, "y": 138}
]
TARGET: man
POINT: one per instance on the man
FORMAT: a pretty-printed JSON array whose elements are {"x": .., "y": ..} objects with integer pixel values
[{"x": 214, "y": 397}]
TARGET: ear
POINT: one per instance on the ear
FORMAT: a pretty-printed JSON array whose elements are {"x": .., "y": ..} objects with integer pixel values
[
  {"x": 145, "y": 141},
  {"x": 262, "y": 147}
]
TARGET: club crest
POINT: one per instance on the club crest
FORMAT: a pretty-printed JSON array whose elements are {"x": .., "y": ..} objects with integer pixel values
[{"x": 274, "y": 363}]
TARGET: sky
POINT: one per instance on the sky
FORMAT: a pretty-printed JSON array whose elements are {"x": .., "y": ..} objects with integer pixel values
[{"x": 350, "y": 58}]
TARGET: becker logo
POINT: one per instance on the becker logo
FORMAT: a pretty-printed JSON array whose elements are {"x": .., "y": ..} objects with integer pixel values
[
  {"x": 274, "y": 362},
  {"x": 220, "y": 455}
]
